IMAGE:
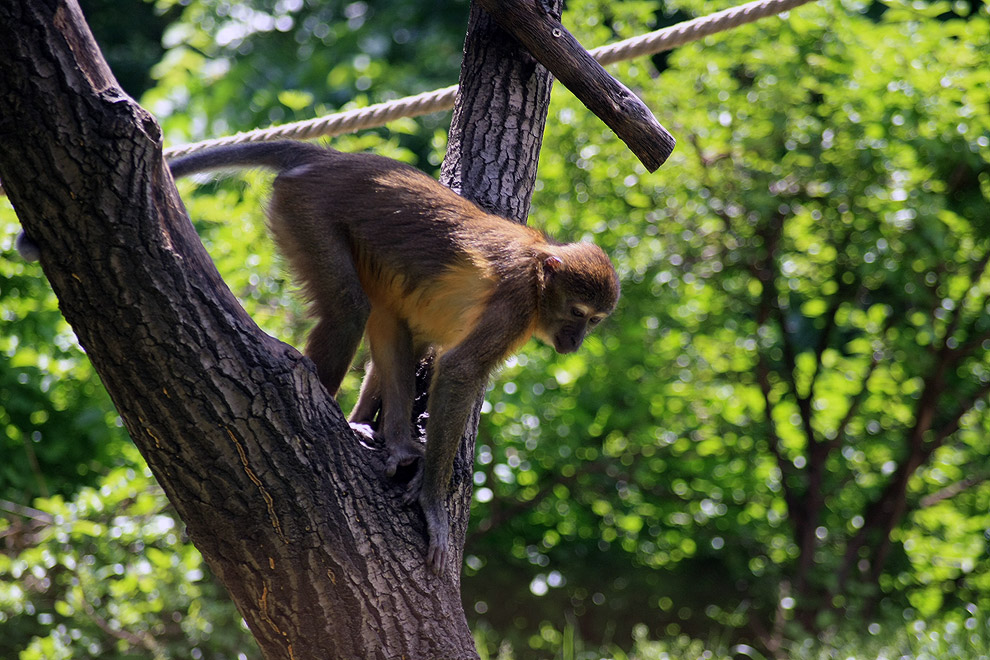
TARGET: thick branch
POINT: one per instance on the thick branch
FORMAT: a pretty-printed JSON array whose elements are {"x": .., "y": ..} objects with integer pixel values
[
  {"x": 289, "y": 510},
  {"x": 557, "y": 49},
  {"x": 489, "y": 160}
]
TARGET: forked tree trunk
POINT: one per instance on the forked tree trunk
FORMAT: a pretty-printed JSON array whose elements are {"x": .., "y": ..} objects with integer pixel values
[{"x": 291, "y": 512}]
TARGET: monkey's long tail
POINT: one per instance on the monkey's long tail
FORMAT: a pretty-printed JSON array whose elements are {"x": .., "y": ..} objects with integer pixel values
[{"x": 278, "y": 156}]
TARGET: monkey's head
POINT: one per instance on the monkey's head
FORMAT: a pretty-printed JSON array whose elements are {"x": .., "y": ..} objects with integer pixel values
[{"x": 580, "y": 288}]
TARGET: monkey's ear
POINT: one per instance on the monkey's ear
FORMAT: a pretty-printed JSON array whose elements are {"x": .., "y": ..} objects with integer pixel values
[{"x": 552, "y": 264}]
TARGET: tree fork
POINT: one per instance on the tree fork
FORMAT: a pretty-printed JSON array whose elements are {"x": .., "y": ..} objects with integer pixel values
[{"x": 289, "y": 510}]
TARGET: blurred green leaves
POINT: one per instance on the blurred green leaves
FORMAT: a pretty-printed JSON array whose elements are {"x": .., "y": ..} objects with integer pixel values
[
  {"x": 811, "y": 256},
  {"x": 238, "y": 66},
  {"x": 109, "y": 573}
]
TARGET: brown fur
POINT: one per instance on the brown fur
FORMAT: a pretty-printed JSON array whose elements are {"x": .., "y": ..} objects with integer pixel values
[{"x": 386, "y": 252}]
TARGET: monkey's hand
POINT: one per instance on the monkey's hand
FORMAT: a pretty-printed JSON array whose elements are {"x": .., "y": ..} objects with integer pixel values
[{"x": 438, "y": 528}]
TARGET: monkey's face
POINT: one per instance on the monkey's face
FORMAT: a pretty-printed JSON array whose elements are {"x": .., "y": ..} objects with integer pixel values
[
  {"x": 580, "y": 289},
  {"x": 568, "y": 329}
]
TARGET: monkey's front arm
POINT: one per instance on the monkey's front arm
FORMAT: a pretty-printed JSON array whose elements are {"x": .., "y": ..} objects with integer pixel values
[
  {"x": 457, "y": 384},
  {"x": 459, "y": 378}
]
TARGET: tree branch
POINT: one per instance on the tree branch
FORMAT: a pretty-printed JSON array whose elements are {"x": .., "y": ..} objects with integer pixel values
[
  {"x": 952, "y": 490},
  {"x": 953, "y": 420},
  {"x": 557, "y": 49},
  {"x": 969, "y": 347},
  {"x": 145, "y": 640}
]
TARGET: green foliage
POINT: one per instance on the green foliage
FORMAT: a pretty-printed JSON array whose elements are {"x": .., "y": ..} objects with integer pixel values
[
  {"x": 964, "y": 637},
  {"x": 823, "y": 222},
  {"x": 58, "y": 428},
  {"x": 238, "y": 66},
  {"x": 109, "y": 574}
]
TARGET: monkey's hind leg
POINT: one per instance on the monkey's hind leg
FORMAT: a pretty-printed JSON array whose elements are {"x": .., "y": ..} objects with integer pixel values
[
  {"x": 370, "y": 399},
  {"x": 331, "y": 345},
  {"x": 340, "y": 306},
  {"x": 394, "y": 376},
  {"x": 321, "y": 260}
]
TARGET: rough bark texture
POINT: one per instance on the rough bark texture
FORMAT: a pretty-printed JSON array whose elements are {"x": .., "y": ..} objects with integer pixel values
[
  {"x": 289, "y": 509},
  {"x": 498, "y": 122}
]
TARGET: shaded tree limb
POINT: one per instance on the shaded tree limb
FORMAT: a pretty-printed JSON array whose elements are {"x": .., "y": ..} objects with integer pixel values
[{"x": 954, "y": 489}]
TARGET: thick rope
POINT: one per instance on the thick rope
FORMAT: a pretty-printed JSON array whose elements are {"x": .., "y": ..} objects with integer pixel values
[
  {"x": 693, "y": 30},
  {"x": 443, "y": 99},
  {"x": 350, "y": 121},
  {"x": 439, "y": 100}
]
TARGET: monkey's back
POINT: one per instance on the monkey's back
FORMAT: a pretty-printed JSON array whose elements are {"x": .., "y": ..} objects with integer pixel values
[{"x": 421, "y": 251}]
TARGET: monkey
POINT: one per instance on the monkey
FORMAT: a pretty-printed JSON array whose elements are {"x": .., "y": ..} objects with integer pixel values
[{"x": 383, "y": 251}]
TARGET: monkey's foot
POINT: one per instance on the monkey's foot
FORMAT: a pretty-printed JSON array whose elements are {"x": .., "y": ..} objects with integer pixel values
[
  {"x": 405, "y": 452},
  {"x": 414, "y": 488},
  {"x": 364, "y": 430}
]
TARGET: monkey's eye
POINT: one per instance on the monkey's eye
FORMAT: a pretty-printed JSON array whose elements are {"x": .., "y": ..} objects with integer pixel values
[
  {"x": 595, "y": 320},
  {"x": 577, "y": 312}
]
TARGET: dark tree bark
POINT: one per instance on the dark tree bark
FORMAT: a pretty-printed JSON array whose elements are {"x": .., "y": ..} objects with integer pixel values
[
  {"x": 498, "y": 122},
  {"x": 288, "y": 508}
]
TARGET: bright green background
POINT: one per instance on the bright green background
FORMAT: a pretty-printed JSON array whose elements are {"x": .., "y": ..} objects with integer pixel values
[{"x": 832, "y": 179}]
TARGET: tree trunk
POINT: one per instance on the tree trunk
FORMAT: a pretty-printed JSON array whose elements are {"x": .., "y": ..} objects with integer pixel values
[
  {"x": 289, "y": 509},
  {"x": 498, "y": 122}
]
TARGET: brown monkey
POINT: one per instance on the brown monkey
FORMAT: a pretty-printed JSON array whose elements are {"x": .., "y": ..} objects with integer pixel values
[{"x": 385, "y": 251}]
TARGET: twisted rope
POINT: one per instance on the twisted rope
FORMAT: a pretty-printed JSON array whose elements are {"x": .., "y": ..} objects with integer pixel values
[
  {"x": 671, "y": 37},
  {"x": 439, "y": 100},
  {"x": 340, "y": 123}
]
